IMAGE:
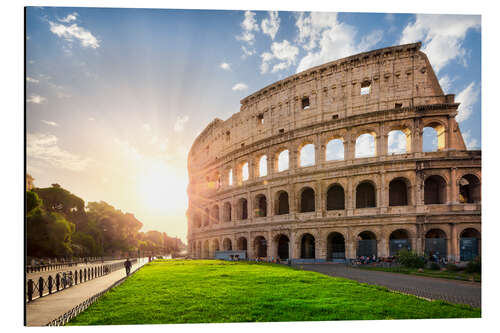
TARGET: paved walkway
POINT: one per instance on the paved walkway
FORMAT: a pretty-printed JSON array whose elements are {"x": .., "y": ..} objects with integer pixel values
[
  {"x": 452, "y": 291},
  {"x": 41, "y": 311}
]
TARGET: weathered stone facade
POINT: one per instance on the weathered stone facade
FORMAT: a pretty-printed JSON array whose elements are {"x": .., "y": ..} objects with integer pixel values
[{"x": 337, "y": 209}]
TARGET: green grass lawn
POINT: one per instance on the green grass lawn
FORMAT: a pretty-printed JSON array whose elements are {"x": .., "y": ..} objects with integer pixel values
[
  {"x": 184, "y": 291},
  {"x": 460, "y": 275}
]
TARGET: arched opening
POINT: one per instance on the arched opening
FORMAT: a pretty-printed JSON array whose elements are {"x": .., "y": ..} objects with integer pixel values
[
  {"x": 206, "y": 249},
  {"x": 282, "y": 203},
  {"x": 260, "y": 247},
  {"x": 433, "y": 137},
  {"x": 398, "y": 192},
  {"x": 335, "y": 247},
  {"x": 434, "y": 190},
  {"x": 197, "y": 220},
  {"x": 242, "y": 244},
  {"x": 469, "y": 244},
  {"x": 283, "y": 163},
  {"x": 263, "y": 166},
  {"x": 243, "y": 209},
  {"x": 470, "y": 189},
  {"x": 335, "y": 199},
  {"x": 244, "y": 172},
  {"x": 260, "y": 206},
  {"x": 365, "y": 195},
  {"x": 307, "y": 247},
  {"x": 207, "y": 217},
  {"x": 227, "y": 244},
  {"x": 306, "y": 155},
  {"x": 399, "y": 240},
  {"x": 283, "y": 247},
  {"x": 227, "y": 212},
  {"x": 435, "y": 243},
  {"x": 365, "y": 145},
  {"x": 215, "y": 214},
  {"x": 307, "y": 200},
  {"x": 335, "y": 150},
  {"x": 367, "y": 244},
  {"x": 398, "y": 142}
]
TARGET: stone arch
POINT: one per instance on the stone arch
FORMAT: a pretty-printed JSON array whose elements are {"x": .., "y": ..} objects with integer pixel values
[
  {"x": 399, "y": 140},
  {"x": 282, "y": 161},
  {"x": 215, "y": 214},
  {"x": 399, "y": 239},
  {"x": 306, "y": 154},
  {"x": 439, "y": 135},
  {"x": 335, "y": 246},
  {"x": 434, "y": 190},
  {"x": 260, "y": 205},
  {"x": 282, "y": 203},
  {"x": 366, "y": 194},
  {"x": 436, "y": 243},
  {"x": 366, "y": 144},
  {"x": 227, "y": 211},
  {"x": 242, "y": 244},
  {"x": 262, "y": 166},
  {"x": 335, "y": 197},
  {"x": 227, "y": 245},
  {"x": 335, "y": 149},
  {"x": 469, "y": 189},
  {"x": 307, "y": 246},
  {"x": 260, "y": 247},
  {"x": 307, "y": 200},
  {"x": 282, "y": 245},
  {"x": 399, "y": 192},
  {"x": 242, "y": 209},
  {"x": 470, "y": 244},
  {"x": 367, "y": 244}
]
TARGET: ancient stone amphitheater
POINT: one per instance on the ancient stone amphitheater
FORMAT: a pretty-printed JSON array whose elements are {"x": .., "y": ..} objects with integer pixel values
[{"x": 283, "y": 177}]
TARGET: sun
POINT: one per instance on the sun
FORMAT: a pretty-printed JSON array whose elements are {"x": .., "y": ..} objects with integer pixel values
[{"x": 162, "y": 188}]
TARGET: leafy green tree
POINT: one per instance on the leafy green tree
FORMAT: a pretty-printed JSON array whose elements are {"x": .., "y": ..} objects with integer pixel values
[{"x": 32, "y": 201}]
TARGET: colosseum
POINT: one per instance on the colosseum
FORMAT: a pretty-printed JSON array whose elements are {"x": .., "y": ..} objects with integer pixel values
[{"x": 284, "y": 178}]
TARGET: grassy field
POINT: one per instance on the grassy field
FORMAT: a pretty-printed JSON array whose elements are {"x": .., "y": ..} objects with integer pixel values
[
  {"x": 214, "y": 291},
  {"x": 460, "y": 275}
]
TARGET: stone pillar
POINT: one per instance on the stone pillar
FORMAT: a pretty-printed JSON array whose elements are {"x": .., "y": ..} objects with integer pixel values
[
  {"x": 319, "y": 246},
  {"x": 251, "y": 169},
  {"x": 454, "y": 248},
  {"x": 450, "y": 144},
  {"x": 292, "y": 158},
  {"x": 349, "y": 149},
  {"x": 350, "y": 245},
  {"x": 454, "y": 188},
  {"x": 449, "y": 195},
  {"x": 270, "y": 163},
  {"x": 382, "y": 246},
  {"x": 250, "y": 249},
  {"x": 350, "y": 197},
  {"x": 319, "y": 204},
  {"x": 416, "y": 136}
]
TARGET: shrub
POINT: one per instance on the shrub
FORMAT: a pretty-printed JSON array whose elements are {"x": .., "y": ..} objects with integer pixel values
[
  {"x": 474, "y": 266},
  {"x": 435, "y": 266},
  {"x": 411, "y": 259},
  {"x": 452, "y": 268}
]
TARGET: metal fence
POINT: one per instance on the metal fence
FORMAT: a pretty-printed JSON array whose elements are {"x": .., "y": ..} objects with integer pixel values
[
  {"x": 59, "y": 265},
  {"x": 40, "y": 287},
  {"x": 66, "y": 317}
]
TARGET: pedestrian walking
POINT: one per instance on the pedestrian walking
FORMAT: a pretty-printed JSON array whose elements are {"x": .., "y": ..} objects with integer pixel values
[{"x": 127, "y": 265}]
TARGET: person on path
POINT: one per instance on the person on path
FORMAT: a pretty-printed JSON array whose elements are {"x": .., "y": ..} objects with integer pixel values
[{"x": 127, "y": 265}]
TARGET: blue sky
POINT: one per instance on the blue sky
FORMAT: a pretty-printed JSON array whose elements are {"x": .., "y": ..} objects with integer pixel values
[{"x": 115, "y": 97}]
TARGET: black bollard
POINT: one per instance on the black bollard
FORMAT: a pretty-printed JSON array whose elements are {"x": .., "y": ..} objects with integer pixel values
[
  {"x": 50, "y": 284},
  {"x": 40, "y": 286},
  {"x": 30, "y": 290}
]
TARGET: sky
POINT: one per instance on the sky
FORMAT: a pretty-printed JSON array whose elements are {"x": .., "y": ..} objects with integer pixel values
[{"x": 116, "y": 97}]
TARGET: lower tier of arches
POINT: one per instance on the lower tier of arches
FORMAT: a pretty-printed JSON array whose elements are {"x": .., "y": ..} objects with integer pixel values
[{"x": 453, "y": 241}]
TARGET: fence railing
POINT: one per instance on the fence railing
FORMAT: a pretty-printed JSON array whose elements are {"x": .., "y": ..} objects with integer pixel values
[
  {"x": 43, "y": 286},
  {"x": 66, "y": 317},
  {"x": 59, "y": 265}
]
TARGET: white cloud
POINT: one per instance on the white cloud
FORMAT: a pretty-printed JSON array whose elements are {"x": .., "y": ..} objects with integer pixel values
[
  {"x": 180, "y": 122},
  {"x": 248, "y": 25},
  {"x": 72, "y": 32},
  {"x": 146, "y": 127},
  {"x": 32, "y": 80},
  {"x": 397, "y": 142},
  {"x": 51, "y": 123},
  {"x": 467, "y": 98},
  {"x": 225, "y": 66},
  {"x": 271, "y": 25},
  {"x": 470, "y": 142},
  {"x": 326, "y": 39},
  {"x": 441, "y": 35},
  {"x": 247, "y": 52},
  {"x": 69, "y": 18},
  {"x": 91, "y": 118},
  {"x": 365, "y": 146},
  {"x": 283, "y": 52},
  {"x": 36, "y": 99},
  {"x": 445, "y": 83},
  {"x": 239, "y": 87},
  {"x": 44, "y": 148}
]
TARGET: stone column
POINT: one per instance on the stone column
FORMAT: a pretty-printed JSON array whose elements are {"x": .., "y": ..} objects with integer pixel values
[
  {"x": 349, "y": 197},
  {"x": 450, "y": 144},
  {"x": 416, "y": 136},
  {"x": 251, "y": 168},
  {"x": 319, "y": 204},
  {"x": 449, "y": 195},
  {"x": 270, "y": 163},
  {"x": 454, "y": 188},
  {"x": 350, "y": 245},
  {"x": 454, "y": 248}
]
